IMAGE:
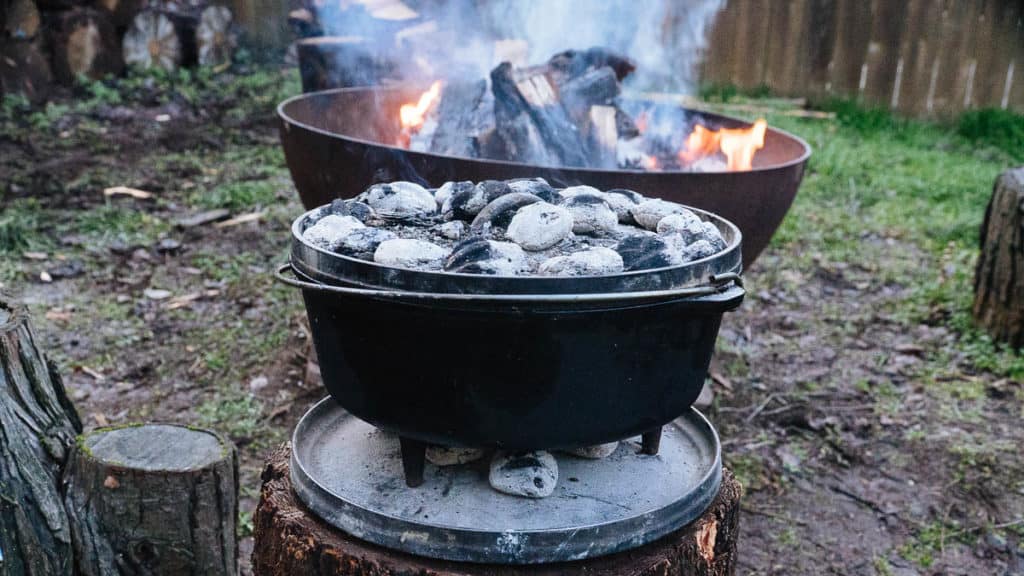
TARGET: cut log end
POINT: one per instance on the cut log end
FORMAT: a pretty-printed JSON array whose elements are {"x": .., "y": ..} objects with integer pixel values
[
  {"x": 153, "y": 499},
  {"x": 158, "y": 39},
  {"x": 215, "y": 41},
  {"x": 85, "y": 44},
  {"x": 999, "y": 277}
]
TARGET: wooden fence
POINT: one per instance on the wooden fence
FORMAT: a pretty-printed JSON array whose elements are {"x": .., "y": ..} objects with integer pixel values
[{"x": 921, "y": 57}]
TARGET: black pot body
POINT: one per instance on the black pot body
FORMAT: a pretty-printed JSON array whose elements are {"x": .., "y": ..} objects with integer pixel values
[{"x": 517, "y": 376}]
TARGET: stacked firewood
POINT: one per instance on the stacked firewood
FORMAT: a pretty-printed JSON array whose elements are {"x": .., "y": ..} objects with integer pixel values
[{"x": 47, "y": 41}]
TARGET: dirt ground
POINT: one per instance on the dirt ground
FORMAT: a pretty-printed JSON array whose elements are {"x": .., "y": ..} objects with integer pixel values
[{"x": 865, "y": 440}]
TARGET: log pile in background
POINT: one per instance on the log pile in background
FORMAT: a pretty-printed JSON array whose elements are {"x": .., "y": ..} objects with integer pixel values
[{"x": 43, "y": 41}]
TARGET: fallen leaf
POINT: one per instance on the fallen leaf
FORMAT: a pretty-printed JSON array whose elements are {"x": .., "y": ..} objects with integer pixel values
[
  {"x": 58, "y": 315},
  {"x": 100, "y": 419},
  {"x": 722, "y": 380},
  {"x": 95, "y": 374},
  {"x": 126, "y": 191}
]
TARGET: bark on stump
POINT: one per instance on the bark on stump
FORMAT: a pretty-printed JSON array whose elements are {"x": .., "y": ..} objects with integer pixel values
[
  {"x": 84, "y": 43},
  {"x": 37, "y": 430},
  {"x": 24, "y": 69},
  {"x": 291, "y": 540},
  {"x": 999, "y": 278},
  {"x": 153, "y": 499}
]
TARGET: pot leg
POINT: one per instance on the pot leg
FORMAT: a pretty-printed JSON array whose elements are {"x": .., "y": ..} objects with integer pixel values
[
  {"x": 651, "y": 441},
  {"x": 414, "y": 454}
]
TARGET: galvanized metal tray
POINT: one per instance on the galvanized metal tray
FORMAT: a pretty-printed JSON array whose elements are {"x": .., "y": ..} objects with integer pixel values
[{"x": 350, "y": 474}]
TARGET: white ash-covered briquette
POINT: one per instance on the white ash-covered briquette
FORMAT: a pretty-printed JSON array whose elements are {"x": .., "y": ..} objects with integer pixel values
[
  {"x": 354, "y": 208},
  {"x": 399, "y": 199},
  {"x": 573, "y": 191},
  {"x": 448, "y": 189},
  {"x": 465, "y": 204},
  {"x": 714, "y": 236},
  {"x": 329, "y": 231},
  {"x": 591, "y": 214},
  {"x": 481, "y": 256},
  {"x": 649, "y": 252},
  {"x": 649, "y": 212},
  {"x": 527, "y": 474},
  {"x": 363, "y": 242},
  {"x": 539, "y": 187},
  {"x": 540, "y": 226},
  {"x": 594, "y": 262},
  {"x": 501, "y": 210},
  {"x": 697, "y": 250},
  {"x": 409, "y": 253},
  {"x": 622, "y": 202},
  {"x": 453, "y": 456},
  {"x": 685, "y": 223},
  {"x": 595, "y": 452}
]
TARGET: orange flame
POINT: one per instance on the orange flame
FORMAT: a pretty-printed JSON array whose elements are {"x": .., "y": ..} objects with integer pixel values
[
  {"x": 738, "y": 144},
  {"x": 412, "y": 116}
]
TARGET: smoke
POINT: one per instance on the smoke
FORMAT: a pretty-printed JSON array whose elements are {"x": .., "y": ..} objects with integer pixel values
[{"x": 465, "y": 39}]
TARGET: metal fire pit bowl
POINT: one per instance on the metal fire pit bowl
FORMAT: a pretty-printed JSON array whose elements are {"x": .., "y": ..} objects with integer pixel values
[
  {"x": 337, "y": 143},
  {"x": 349, "y": 473}
]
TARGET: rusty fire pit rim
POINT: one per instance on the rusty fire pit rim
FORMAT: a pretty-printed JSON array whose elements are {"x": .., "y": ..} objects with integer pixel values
[
  {"x": 312, "y": 258},
  {"x": 290, "y": 120}
]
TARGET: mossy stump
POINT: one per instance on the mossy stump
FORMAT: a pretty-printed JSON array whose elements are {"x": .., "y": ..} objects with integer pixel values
[
  {"x": 291, "y": 540},
  {"x": 153, "y": 499},
  {"x": 999, "y": 278},
  {"x": 37, "y": 430}
]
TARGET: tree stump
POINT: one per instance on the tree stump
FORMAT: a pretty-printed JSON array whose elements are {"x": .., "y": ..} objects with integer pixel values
[
  {"x": 291, "y": 540},
  {"x": 999, "y": 278},
  {"x": 158, "y": 39},
  {"x": 37, "y": 430},
  {"x": 85, "y": 44},
  {"x": 153, "y": 499},
  {"x": 24, "y": 70}
]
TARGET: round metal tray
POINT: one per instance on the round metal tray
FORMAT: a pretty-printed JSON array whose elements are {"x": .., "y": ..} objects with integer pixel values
[{"x": 350, "y": 474}]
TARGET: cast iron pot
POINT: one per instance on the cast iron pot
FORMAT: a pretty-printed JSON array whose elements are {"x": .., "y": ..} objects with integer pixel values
[{"x": 515, "y": 371}]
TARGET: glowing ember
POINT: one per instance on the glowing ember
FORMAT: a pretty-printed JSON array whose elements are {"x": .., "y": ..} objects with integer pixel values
[{"x": 737, "y": 144}]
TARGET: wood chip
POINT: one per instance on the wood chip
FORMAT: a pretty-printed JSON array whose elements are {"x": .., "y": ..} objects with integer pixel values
[
  {"x": 35, "y": 255},
  {"x": 156, "y": 293},
  {"x": 100, "y": 419},
  {"x": 187, "y": 299},
  {"x": 111, "y": 483},
  {"x": 44, "y": 276},
  {"x": 58, "y": 315},
  {"x": 721, "y": 380},
  {"x": 93, "y": 373},
  {"x": 126, "y": 191},
  {"x": 240, "y": 219},
  {"x": 201, "y": 218}
]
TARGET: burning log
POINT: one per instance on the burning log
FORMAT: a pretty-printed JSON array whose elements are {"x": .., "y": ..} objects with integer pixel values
[
  {"x": 153, "y": 499},
  {"x": 604, "y": 136},
  {"x": 592, "y": 88},
  {"x": 37, "y": 429},
  {"x": 85, "y": 43},
  {"x": 999, "y": 278},
  {"x": 24, "y": 70},
  {"x": 291, "y": 540},
  {"x": 159, "y": 39},
  {"x": 215, "y": 42},
  {"x": 458, "y": 130}
]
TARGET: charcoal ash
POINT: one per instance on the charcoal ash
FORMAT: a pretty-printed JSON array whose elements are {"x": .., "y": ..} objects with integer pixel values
[
  {"x": 481, "y": 256},
  {"x": 649, "y": 212},
  {"x": 572, "y": 191},
  {"x": 465, "y": 203},
  {"x": 697, "y": 250},
  {"x": 453, "y": 230},
  {"x": 453, "y": 456},
  {"x": 596, "y": 452},
  {"x": 685, "y": 223},
  {"x": 526, "y": 474},
  {"x": 409, "y": 253},
  {"x": 399, "y": 199},
  {"x": 591, "y": 214},
  {"x": 539, "y": 187},
  {"x": 540, "y": 226},
  {"x": 714, "y": 236},
  {"x": 363, "y": 242},
  {"x": 501, "y": 210},
  {"x": 328, "y": 232},
  {"x": 594, "y": 262}
]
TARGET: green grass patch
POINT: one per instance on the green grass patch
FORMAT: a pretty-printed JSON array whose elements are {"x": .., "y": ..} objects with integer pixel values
[
  {"x": 1001, "y": 129},
  {"x": 237, "y": 415},
  {"x": 238, "y": 196}
]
